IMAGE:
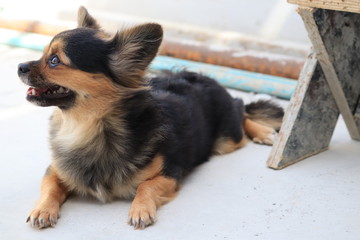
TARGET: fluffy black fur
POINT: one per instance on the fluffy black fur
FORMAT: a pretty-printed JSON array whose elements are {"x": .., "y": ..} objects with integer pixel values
[
  {"x": 86, "y": 51},
  {"x": 196, "y": 111}
]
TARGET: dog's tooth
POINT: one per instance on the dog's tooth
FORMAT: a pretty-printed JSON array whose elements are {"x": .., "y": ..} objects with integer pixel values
[
  {"x": 33, "y": 92},
  {"x": 61, "y": 90}
]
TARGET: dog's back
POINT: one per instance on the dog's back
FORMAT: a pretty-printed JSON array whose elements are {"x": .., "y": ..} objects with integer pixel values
[{"x": 198, "y": 111}]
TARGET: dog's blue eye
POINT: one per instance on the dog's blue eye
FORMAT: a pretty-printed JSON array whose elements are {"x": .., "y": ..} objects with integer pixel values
[{"x": 54, "y": 61}]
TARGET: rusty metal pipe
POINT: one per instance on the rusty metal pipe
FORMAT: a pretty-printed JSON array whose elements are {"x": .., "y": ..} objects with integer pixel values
[
  {"x": 249, "y": 60},
  {"x": 33, "y": 26}
]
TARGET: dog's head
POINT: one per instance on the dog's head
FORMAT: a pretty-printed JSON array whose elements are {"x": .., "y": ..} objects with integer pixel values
[{"x": 85, "y": 62}]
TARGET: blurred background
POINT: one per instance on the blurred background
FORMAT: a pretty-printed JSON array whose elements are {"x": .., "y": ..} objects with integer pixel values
[
  {"x": 271, "y": 20},
  {"x": 264, "y": 38}
]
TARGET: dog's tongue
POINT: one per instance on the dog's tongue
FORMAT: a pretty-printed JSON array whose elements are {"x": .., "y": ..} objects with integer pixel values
[{"x": 36, "y": 91}]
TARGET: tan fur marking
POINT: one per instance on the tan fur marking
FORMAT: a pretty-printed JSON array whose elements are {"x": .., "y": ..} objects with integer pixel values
[
  {"x": 96, "y": 96},
  {"x": 226, "y": 145},
  {"x": 52, "y": 194},
  {"x": 96, "y": 88},
  {"x": 63, "y": 58},
  {"x": 150, "y": 195},
  {"x": 75, "y": 132},
  {"x": 152, "y": 170},
  {"x": 46, "y": 48},
  {"x": 56, "y": 47},
  {"x": 103, "y": 35},
  {"x": 258, "y": 132}
]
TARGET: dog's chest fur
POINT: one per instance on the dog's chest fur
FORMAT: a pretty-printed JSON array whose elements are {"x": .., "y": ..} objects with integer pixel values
[{"x": 92, "y": 157}]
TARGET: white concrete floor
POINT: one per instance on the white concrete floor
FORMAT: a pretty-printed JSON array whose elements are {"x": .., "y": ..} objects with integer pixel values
[{"x": 231, "y": 197}]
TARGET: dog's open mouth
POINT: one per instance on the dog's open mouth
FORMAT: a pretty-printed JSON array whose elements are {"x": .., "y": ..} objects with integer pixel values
[
  {"x": 54, "y": 91},
  {"x": 51, "y": 95}
]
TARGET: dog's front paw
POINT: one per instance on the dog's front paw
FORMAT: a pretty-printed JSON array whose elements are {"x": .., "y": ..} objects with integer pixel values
[
  {"x": 44, "y": 215},
  {"x": 142, "y": 215}
]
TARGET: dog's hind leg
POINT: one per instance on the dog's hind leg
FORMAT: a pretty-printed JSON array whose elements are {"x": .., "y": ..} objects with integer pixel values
[
  {"x": 52, "y": 194},
  {"x": 259, "y": 133},
  {"x": 150, "y": 195},
  {"x": 262, "y": 119}
]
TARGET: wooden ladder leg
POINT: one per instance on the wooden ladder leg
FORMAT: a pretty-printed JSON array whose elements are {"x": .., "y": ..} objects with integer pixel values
[
  {"x": 325, "y": 88},
  {"x": 309, "y": 120},
  {"x": 335, "y": 36}
]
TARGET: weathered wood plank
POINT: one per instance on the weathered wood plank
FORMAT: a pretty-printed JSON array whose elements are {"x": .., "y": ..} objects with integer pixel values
[
  {"x": 326, "y": 88},
  {"x": 309, "y": 120},
  {"x": 335, "y": 37},
  {"x": 340, "y": 5}
]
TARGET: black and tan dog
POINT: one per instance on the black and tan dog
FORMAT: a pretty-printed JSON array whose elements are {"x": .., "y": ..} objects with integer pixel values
[{"x": 116, "y": 134}]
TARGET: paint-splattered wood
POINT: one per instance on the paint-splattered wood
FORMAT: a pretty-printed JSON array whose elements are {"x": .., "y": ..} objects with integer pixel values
[
  {"x": 325, "y": 88},
  {"x": 340, "y": 5},
  {"x": 335, "y": 37},
  {"x": 309, "y": 120}
]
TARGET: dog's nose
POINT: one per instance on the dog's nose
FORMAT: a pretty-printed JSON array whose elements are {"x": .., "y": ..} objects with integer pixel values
[{"x": 23, "y": 68}]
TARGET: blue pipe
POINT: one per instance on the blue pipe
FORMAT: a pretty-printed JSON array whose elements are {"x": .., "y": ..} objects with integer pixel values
[{"x": 228, "y": 77}]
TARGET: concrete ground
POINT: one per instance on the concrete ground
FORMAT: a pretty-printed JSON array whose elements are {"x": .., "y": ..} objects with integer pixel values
[{"x": 231, "y": 197}]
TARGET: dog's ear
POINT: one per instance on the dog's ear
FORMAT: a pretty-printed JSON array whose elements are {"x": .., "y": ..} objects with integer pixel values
[
  {"x": 134, "y": 49},
  {"x": 86, "y": 20}
]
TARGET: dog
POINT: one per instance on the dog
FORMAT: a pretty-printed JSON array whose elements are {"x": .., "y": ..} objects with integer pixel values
[{"x": 115, "y": 133}]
